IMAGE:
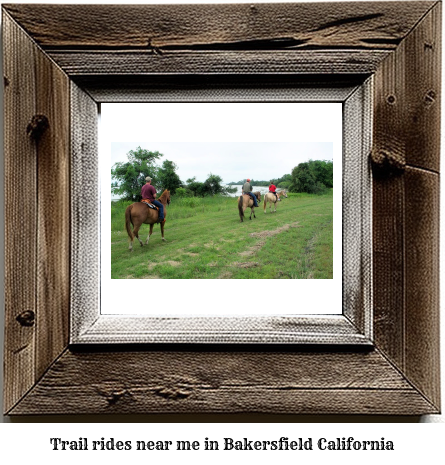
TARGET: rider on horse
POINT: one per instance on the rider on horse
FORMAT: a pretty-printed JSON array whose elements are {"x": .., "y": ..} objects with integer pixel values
[
  {"x": 247, "y": 189},
  {"x": 272, "y": 190},
  {"x": 149, "y": 193}
]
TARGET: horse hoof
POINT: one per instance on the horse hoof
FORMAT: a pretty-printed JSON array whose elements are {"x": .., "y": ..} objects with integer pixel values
[{"x": 163, "y": 239}]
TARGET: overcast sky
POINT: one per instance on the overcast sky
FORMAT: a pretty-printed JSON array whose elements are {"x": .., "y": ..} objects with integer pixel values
[
  {"x": 232, "y": 161},
  {"x": 233, "y": 140}
]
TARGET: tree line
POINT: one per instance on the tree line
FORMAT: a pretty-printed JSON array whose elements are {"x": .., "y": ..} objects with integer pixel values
[
  {"x": 313, "y": 177},
  {"x": 129, "y": 177}
]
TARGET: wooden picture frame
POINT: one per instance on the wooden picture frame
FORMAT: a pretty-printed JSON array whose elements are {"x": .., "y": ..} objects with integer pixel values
[{"x": 59, "y": 68}]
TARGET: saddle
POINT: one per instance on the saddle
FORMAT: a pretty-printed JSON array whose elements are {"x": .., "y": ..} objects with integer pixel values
[
  {"x": 251, "y": 197},
  {"x": 154, "y": 207},
  {"x": 149, "y": 204}
]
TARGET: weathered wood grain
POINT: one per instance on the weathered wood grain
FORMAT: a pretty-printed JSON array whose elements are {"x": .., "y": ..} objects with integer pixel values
[
  {"x": 20, "y": 213},
  {"x": 122, "y": 63},
  {"x": 406, "y": 132},
  {"x": 423, "y": 92},
  {"x": 153, "y": 27},
  {"x": 357, "y": 209},
  {"x": 388, "y": 201},
  {"x": 53, "y": 203},
  {"x": 37, "y": 182},
  {"x": 85, "y": 212},
  {"x": 398, "y": 42},
  {"x": 422, "y": 364},
  {"x": 89, "y": 327},
  {"x": 107, "y": 88},
  {"x": 221, "y": 382}
]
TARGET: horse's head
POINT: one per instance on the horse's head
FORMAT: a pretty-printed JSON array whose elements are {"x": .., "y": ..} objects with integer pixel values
[
  {"x": 258, "y": 196},
  {"x": 168, "y": 197}
]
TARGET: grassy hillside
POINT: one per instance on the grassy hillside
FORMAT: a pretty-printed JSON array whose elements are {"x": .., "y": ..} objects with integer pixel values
[{"x": 205, "y": 239}]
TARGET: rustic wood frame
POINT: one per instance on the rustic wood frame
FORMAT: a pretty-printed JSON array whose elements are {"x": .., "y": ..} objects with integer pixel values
[
  {"x": 103, "y": 50},
  {"x": 89, "y": 321}
]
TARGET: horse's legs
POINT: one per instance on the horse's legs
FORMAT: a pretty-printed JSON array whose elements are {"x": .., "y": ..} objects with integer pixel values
[
  {"x": 149, "y": 234},
  {"x": 162, "y": 230},
  {"x": 136, "y": 233}
]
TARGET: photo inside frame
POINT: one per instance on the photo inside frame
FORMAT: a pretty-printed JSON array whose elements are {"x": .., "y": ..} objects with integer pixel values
[{"x": 283, "y": 262}]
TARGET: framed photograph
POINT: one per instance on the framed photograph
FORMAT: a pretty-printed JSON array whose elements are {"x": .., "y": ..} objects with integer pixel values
[{"x": 86, "y": 336}]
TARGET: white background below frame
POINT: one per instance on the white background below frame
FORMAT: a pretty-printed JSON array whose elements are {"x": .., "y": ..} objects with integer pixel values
[{"x": 285, "y": 122}]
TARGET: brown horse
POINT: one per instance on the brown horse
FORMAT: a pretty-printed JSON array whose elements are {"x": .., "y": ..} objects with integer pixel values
[
  {"x": 139, "y": 212},
  {"x": 269, "y": 197},
  {"x": 246, "y": 201}
]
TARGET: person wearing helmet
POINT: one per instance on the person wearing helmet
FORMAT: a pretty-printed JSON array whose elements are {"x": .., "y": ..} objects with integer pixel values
[{"x": 247, "y": 189}]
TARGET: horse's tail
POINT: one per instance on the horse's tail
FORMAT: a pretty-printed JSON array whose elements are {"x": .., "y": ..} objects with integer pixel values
[
  {"x": 128, "y": 221},
  {"x": 240, "y": 207},
  {"x": 265, "y": 201}
]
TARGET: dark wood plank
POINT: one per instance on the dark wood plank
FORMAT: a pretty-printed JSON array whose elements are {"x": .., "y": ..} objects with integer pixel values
[
  {"x": 406, "y": 205},
  {"x": 388, "y": 201},
  {"x": 422, "y": 281},
  {"x": 256, "y": 382},
  {"x": 20, "y": 213},
  {"x": 53, "y": 200},
  {"x": 423, "y": 92},
  {"x": 341, "y": 25}
]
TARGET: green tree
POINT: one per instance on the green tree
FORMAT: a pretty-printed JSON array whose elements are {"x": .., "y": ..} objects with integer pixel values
[
  {"x": 196, "y": 187},
  {"x": 129, "y": 177},
  {"x": 211, "y": 186},
  {"x": 323, "y": 171},
  {"x": 313, "y": 177},
  {"x": 168, "y": 178}
]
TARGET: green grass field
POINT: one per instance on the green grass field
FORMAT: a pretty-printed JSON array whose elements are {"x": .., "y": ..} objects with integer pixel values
[{"x": 205, "y": 239}]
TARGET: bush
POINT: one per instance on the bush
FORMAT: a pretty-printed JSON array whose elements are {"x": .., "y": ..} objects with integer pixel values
[
  {"x": 190, "y": 202},
  {"x": 181, "y": 192},
  {"x": 313, "y": 177}
]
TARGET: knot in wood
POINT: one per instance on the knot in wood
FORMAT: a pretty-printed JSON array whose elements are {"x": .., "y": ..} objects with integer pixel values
[
  {"x": 37, "y": 126},
  {"x": 26, "y": 318},
  {"x": 114, "y": 397},
  {"x": 387, "y": 162},
  {"x": 173, "y": 393},
  {"x": 430, "y": 97}
]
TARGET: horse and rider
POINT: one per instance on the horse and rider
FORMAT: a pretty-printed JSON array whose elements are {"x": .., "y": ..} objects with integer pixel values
[
  {"x": 149, "y": 193},
  {"x": 140, "y": 212},
  {"x": 272, "y": 197},
  {"x": 248, "y": 199}
]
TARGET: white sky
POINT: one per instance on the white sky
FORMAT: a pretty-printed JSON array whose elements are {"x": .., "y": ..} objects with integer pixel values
[
  {"x": 233, "y": 140},
  {"x": 232, "y": 161}
]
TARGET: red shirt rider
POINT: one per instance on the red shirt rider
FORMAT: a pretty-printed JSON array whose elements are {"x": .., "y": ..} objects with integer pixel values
[{"x": 272, "y": 188}]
